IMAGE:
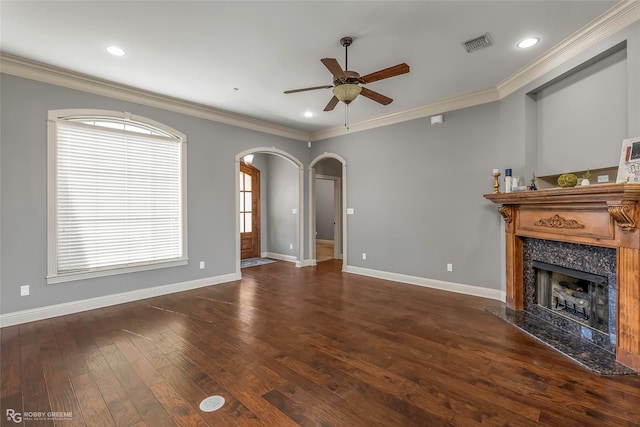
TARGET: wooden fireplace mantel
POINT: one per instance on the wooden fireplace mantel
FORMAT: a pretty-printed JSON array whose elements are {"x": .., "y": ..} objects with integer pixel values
[{"x": 606, "y": 215}]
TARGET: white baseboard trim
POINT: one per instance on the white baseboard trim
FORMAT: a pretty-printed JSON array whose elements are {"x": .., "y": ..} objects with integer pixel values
[
  {"x": 429, "y": 283},
  {"x": 281, "y": 257},
  {"x": 30, "y": 315},
  {"x": 306, "y": 263}
]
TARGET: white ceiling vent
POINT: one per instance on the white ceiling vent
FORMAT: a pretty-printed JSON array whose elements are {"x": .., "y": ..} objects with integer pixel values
[{"x": 478, "y": 43}]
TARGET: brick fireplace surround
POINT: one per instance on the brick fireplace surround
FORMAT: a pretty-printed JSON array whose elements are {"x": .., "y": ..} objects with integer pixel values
[{"x": 606, "y": 215}]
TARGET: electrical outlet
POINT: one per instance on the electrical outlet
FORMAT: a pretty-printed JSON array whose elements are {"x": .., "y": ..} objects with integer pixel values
[
  {"x": 24, "y": 290},
  {"x": 449, "y": 267},
  {"x": 290, "y": 245},
  {"x": 364, "y": 255},
  {"x": 201, "y": 265}
]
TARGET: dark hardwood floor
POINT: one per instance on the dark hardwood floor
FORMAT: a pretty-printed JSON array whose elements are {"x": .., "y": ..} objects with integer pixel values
[{"x": 312, "y": 346}]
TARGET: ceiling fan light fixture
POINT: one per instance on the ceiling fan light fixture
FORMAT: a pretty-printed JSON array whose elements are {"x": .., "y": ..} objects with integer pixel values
[{"x": 347, "y": 92}]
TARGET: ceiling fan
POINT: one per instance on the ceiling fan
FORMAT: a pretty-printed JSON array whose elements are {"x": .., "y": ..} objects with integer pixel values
[{"x": 346, "y": 83}]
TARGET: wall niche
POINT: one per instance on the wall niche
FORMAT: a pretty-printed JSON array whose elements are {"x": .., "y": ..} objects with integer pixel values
[{"x": 579, "y": 119}]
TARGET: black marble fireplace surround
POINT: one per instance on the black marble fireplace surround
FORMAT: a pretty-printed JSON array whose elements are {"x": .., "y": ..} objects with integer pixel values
[
  {"x": 590, "y": 348},
  {"x": 589, "y": 259}
]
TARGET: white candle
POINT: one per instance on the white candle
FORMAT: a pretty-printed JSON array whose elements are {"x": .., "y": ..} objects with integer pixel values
[{"x": 496, "y": 171}]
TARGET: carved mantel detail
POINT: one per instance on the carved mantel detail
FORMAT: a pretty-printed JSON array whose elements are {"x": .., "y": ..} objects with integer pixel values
[
  {"x": 507, "y": 213},
  {"x": 557, "y": 221},
  {"x": 623, "y": 215}
]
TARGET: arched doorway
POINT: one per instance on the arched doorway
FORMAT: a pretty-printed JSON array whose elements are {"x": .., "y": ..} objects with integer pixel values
[
  {"x": 329, "y": 171},
  {"x": 297, "y": 241}
]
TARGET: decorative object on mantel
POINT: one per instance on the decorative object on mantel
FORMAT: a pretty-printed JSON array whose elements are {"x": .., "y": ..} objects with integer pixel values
[
  {"x": 585, "y": 178},
  {"x": 532, "y": 186},
  {"x": 496, "y": 183},
  {"x": 507, "y": 180},
  {"x": 567, "y": 180},
  {"x": 629, "y": 167}
]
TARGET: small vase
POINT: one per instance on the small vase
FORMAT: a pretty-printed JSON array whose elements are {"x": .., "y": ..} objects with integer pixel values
[{"x": 585, "y": 181}]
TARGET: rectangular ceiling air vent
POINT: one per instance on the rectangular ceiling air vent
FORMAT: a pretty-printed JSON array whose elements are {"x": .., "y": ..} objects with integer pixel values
[{"x": 478, "y": 43}]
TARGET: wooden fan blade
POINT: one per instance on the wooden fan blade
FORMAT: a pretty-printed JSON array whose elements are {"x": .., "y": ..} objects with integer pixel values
[
  {"x": 333, "y": 66},
  {"x": 375, "y": 96},
  {"x": 332, "y": 104},
  {"x": 308, "y": 88},
  {"x": 396, "y": 70}
]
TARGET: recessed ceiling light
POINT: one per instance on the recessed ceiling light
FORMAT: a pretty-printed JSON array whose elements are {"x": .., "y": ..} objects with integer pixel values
[
  {"x": 308, "y": 114},
  {"x": 115, "y": 51},
  {"x": 528, "y": 42}
]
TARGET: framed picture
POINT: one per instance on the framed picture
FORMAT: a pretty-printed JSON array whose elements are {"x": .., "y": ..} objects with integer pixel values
[{"x": 629, "y": 167}]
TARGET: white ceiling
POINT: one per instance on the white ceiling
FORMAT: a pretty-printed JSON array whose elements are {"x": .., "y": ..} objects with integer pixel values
[{"x": 200, "y": 51}]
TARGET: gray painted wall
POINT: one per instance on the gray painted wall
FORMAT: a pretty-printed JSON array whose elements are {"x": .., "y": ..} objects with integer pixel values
[
  {"x": 586, "y": 109},
  {"x": 424, "y": 209},
  {"x": 329, "y": 167},
  {"x": 260, "y": 163},
  {"x": 324, "y": 209},
  {"x": 416, "y": 188},
  {"x": 282, "y": 199},
  {"x": 210, "y": 196}
]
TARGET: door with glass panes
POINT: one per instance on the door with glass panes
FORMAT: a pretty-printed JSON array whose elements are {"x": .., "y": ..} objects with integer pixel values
[{"x": 249, "y": 211}]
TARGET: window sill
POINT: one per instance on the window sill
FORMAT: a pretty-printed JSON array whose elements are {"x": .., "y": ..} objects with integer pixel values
[{"x": 69, "y": 277}]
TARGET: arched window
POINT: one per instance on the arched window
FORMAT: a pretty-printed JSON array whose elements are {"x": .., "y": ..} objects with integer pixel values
[{"x": 117, "y": 195}]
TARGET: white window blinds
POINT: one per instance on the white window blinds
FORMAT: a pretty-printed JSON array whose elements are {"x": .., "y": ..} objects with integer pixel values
[{"x": 118, "y": 197}]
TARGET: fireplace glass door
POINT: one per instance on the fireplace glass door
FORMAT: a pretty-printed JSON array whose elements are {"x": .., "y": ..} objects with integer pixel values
[{"x": 580, "y": 296}]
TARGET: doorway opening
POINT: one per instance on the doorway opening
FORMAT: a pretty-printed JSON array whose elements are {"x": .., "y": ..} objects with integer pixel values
[
  {"x": 328, "y": 221},
  {"x": 327, "y": 229},
  {"x": 270, "y": 225}
]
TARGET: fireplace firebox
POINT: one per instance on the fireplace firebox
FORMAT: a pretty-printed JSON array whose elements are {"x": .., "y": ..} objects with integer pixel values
[{"x": 581, "y": 297}]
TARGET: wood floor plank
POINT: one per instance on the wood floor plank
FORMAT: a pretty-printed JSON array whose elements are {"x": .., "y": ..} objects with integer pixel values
[
  {"x": 10, "y": 369},
  {"x": 292, "y": 346},
  {"x": 120, "y": 405},
  {"x": 181, "y": 411},
  {"x": 59, "y": 388},
  {"x": 299, "y": 334},
  {"x": 90, "y": 400},
  {"x": 35, "y": 391},
  {"x": 143, "y": 399}
]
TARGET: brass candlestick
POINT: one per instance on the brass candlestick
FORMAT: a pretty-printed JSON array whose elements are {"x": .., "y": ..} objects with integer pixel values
[{"x": 496, "y": 182}]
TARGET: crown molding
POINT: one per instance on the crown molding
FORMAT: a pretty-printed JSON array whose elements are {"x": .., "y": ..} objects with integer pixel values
[
  {"x": 32, "y": 70},
  {"x": 449, "y": 104},
  {"x": 615, "y": 19}
]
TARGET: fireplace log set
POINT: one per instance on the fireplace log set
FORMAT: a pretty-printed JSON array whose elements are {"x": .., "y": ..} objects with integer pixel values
[{"x": 572, "y": 298}]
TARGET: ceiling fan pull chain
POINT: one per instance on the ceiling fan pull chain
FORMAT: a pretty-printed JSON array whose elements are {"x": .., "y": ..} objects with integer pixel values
[{"x": 346, "y": 116}]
